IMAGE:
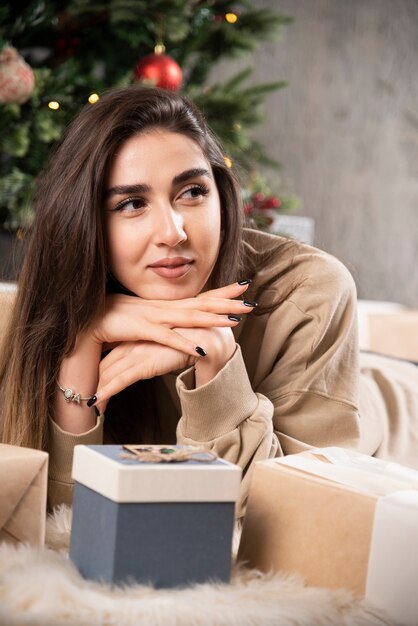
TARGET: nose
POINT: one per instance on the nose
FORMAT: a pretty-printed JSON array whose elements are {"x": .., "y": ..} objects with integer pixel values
[{"x": 169, "y": 227}]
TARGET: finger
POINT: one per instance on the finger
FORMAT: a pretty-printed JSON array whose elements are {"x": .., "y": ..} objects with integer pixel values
[
  {"x": 124, "y": 373},
  {"x": 102, "y": 406},
  {"x": 158, "y": 333},
  {"x": 119, "y": 375},
  {"x": 115, "y": 384},
  {"x": 223, "y": 305},
  {"x": 229, "y": 291},
  {"x": 176, "y": 312},
  {"x": 112, "y": 358},
  {"x": 205, "y": 311},
  {"x": 142, "y": 359},
  {"x": 203, "y": 319},
  {"x": 127, "y": 352}
]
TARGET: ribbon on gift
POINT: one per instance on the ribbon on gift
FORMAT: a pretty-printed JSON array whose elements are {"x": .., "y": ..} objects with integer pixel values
[
  {"x": 167, "y": 454},
  {"x": 393, "y": 556},
  {"x": 356, "y": 470}
]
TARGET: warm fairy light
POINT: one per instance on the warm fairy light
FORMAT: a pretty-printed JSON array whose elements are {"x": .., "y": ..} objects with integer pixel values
[
  {"x": 228, "y": 161},
  {"x": 54, "y": 105},
  {"x": 93, "y": 98},
  {"x": 159, "y": 48},
  {"x": 231, "y": 17}
]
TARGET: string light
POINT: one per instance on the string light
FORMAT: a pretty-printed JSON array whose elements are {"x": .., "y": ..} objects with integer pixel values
[
  {"x": 231, "y": 18},
  {"x": 94, "y": 97},
  {"x": 228, "y": 161},
  {"x": 54, "y": 105}
]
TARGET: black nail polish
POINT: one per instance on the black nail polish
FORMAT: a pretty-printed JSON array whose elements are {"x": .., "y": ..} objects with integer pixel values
[
  {"x": 234, "y": 318},
  {"x": 245, "y": 281},
  {"x": 91, "y": 401},
  {"x": 200, "y": 351},
  {"x": 248, "y": 303}
]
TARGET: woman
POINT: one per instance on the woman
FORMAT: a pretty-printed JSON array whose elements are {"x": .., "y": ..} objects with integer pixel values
[{"x": 129, "y": 324}]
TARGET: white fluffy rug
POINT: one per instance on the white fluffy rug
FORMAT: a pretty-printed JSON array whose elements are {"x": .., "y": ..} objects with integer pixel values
[{"x": 40, "y": 587}]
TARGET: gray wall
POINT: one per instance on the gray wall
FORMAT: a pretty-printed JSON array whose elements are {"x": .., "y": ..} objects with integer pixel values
[{"x": 346, "y": 131}]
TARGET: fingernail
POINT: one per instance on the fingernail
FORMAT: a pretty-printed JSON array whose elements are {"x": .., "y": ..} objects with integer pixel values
[
  {"x": 248, "y": 303},
  {"x": 200, "y": 351},
  {"x": 92, "y": 401},
  {"x": 245, "y": 281},
  {"x": 234, "y": 318}
]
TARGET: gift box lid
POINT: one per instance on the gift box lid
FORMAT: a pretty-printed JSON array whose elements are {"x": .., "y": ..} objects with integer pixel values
[{"x": 107, "y": 470}]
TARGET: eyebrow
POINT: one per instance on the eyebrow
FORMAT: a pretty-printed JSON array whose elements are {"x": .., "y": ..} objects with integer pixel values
[{"x": 121, "y": 190}]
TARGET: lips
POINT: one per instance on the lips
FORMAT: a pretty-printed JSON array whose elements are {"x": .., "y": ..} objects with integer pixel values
[{"x": 172, "y": 267}]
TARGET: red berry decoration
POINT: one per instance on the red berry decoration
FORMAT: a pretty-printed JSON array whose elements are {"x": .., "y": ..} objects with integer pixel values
[
  {"x": 258, "y": 196},
  {"x": 271, "y": 203},
  {"x": 248, "y": 208},
  {"x": 160, "y": 70}
]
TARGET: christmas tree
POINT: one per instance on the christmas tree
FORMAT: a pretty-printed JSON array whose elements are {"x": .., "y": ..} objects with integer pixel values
[{"x": 57, "y": 56}]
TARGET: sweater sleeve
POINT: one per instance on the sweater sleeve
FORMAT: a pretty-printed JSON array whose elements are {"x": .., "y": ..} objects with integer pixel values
[
  {"x": 236, "y": 424},
  {"x": 61, "y": 449}
]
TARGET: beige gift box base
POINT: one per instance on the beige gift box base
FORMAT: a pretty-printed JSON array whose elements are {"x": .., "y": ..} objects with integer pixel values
[
  {"x": 325, "y": 529},
  {"x": 292, "y": 525}
]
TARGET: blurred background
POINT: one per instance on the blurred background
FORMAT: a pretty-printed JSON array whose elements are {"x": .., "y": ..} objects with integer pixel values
[
  {"x": 316, "y": 102},
  {"x": 346, "y": 130}
]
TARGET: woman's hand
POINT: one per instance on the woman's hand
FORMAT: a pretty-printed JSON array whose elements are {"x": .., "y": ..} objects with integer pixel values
[
  {"x": 148, "y": 338},
  {"x": 136, "y": 360},
  {"x": 221, "y": 345},
  {"x": 133, "y": 361},
  {"x": 128, "y": 318}
]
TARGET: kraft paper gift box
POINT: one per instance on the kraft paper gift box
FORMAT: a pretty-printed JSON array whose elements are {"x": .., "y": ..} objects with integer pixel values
[
  {"x": 339, "y": 519},
  {"x": 23, "y": 491},
  {"x": 168, "y": 524},
  {"x": 395, "y": 334}
]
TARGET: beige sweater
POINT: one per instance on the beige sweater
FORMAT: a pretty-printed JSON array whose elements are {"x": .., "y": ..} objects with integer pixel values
[{"x": 294, "y": 381}]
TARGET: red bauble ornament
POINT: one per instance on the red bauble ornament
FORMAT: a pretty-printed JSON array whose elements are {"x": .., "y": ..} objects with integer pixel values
[
  {"x": 17, "y": 80},
  {"x": 160, "y": 70}
]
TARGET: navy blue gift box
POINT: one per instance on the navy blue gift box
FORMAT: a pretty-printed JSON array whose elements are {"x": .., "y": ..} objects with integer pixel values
[{"x": 167, "y": 524}]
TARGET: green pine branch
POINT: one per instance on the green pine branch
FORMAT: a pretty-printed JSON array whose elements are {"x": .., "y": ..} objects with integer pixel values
[{"x": 77, "y": 47}]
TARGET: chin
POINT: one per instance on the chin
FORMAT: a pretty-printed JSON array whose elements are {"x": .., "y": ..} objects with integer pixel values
[{"x": 168, "y": 292}]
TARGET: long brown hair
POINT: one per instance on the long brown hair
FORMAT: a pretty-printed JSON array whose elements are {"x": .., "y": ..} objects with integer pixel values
[{"x": 62, "y": 285}]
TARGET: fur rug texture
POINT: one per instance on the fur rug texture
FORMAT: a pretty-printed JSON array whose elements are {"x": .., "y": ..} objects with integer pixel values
[{"x": 41, "y": 587}]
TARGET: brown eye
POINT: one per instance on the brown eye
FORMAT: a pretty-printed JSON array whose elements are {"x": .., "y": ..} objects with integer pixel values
[
  {"x": 196, "y": 191},
  {"x": 130, "y": 205}
]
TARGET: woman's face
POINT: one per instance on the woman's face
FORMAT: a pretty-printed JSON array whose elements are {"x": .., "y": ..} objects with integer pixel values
[{"x": 163, "y": 216}]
